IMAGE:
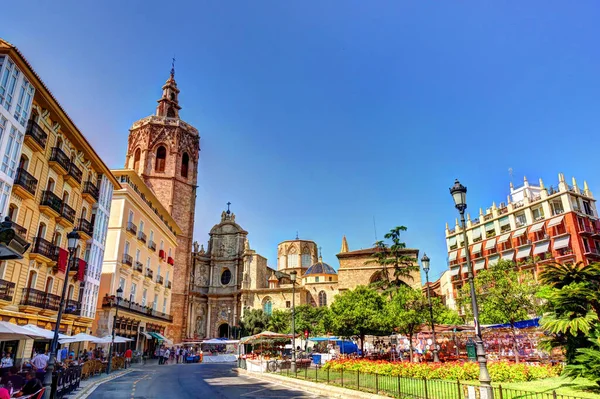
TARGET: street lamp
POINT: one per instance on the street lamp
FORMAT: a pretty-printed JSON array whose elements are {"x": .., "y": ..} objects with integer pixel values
[
  {"x": 112, "y": 341},
  {"x": 459, "y": 194},
  {"x": 293, "y": 278},
  {"x": 228, "y": 323},
  {"x": 425, "y": 264},
  {"x": 73, "y": 243}
]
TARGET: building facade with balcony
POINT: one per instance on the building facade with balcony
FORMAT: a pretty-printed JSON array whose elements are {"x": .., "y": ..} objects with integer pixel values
[
  {"x": 139, "y": 257},
  {"x": 537, "y": 225},
  {"x": 52, "y": 195}
]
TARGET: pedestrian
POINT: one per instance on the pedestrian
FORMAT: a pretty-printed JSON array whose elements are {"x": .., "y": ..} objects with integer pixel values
[
  {"x": 161, "y": 355},
  {"x": 128, "y": 354},
  {"x": 177, "y": 353},
  {"x": 167, "y": 354},
  {"x": 7, "y": 361}
]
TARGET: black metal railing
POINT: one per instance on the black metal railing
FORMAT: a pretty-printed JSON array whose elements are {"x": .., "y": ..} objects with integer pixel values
[
  {"x": 90, "y": 188},
  {"x": 160, "y": 280},
  {"x": 68, "y": 213},
  {"x": 141, "y": 236},
  {"x": 109, "y": 301},
  {"x": 152, "y": 245},
  {"x": 40, "y": 299},
  {"x": 78, "y": 267},
  {"x": 127, "y": 259},
  {"x": 85, "y": 226},
  {"x": 168, "y": 285},
  {"x": 43, "y": 247},
  {"x": 73, "y": 307},
  {"x": 51, "y": 200},
  {"x": 60, "y": 158},
  {"x": 131, "y": 227},
  {"x": 149, "y": 273},
  {"x": 37, "y": 133},
  {"x": 138, "y": 267},
  {"x": 75, "y": 172},
  {"x": 7, "y": 290},
  {"x": 26, "y": 180},
  {"x": 20, "y": 230}
]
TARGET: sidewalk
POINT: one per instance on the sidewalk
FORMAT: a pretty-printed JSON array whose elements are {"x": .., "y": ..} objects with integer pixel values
[{"x": 86, "y": 387}]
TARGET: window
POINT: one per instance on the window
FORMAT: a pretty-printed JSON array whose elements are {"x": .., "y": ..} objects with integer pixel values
[
  {"x": 57, "y": 239},
  {"x": 330, "y": 278},
  {"x": 122, "y": 283},
  {"x": 225, "y": 277},
  {"x": 133, "y": 292},
  {"x": 13, "y": 149},
  {"x": 148, "y": 263},
  {"x": 169, "y": 252},
  {"x": 161, "y": 157},
  {"x": 154, "y": 302},
  {"x": 8, "y": 83},
  {"x": 137, "y": 255},
  {"x": 13, "y": 212},
  {"x": 32, "y": 279},
  {"x": 587, "y": 208},
  {"x": 49, "y": 284},
  {"x": 24, "y": 102},
  {"x": 292, "y": 260},
  {"x": 3, "y": 124},
  {"x": 282, "y": 262},
  {"x": 162, "y": 245},
  {"x": 66, "y": 197},
  {"x": 520, "y": 219},
  {"x": 322, "y": 299},
  {"x": 4, "y": 193},
  {"x": 556, "y": 206},
  {"x": 130, "y": 218},
  {"x": 158, "y": 271},
  {"x": 41, "y": 230},
  {"x": 167, "y": 277},
  {"x": 267, "y": 306},
  {"x": 136, "y": 160},
  {"x": 70, "y": 291},
  {"x": 126, "y": 250},
  {"x": 2, "y": 268},
  {"x": 538, "y": 213},
  {"x": 288, "y": 304},
  {"x": 164, "y": 310},
  {"x": 50, "y": 185},
  {"x": 185, "y": 161},
  {"x": 306, "y": 260},
  {"x": 144, "y": 295},
  {"x": 151, "y": 236},
  {"x": 141, "y": 226}
]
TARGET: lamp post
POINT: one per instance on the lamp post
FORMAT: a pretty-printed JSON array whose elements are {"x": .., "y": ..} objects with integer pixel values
[
  {"x": 293, "y": 278},
  {"x": 425, "y": 264},
  {"x": 459, "y": 194},
  {"x": 112, "y": 341},
  {"x": 73, "y": 243},
  {"x": 228, "y": 323}
]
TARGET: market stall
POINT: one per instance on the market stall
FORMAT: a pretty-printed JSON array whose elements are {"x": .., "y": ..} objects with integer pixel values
[
  {"x": 328, "y": 348},
  {"x": 265, "y": 351},
  {"x": 219, "y": 350}
]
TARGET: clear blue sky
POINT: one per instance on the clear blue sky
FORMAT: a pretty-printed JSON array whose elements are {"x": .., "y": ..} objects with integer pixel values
[{"x": 318, "y": 116}]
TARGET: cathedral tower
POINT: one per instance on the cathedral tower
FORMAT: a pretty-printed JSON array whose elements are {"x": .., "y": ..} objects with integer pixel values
[{"x": 164, "y": 151}]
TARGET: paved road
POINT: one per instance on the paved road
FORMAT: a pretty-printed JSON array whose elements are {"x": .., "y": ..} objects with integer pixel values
[{"x": 206, "y": 381}]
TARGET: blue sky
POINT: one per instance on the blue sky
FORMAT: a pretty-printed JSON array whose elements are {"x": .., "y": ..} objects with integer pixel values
[{"x": 319, "y": 117}]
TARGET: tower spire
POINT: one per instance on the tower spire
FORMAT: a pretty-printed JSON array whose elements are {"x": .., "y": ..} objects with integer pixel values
[
  {"x": 173, "y": 68},
  {"x": 344, "y": 245},
  {"x": 168, "y": 105}
]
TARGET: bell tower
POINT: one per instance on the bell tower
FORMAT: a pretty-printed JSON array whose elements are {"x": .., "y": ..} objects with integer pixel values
[{"x": 164, "y": 151}]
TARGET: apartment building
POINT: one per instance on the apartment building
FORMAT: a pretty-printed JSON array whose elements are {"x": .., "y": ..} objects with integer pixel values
[
  {"x": 139, "y": 258},
  {"x": 536, "y": 225}
]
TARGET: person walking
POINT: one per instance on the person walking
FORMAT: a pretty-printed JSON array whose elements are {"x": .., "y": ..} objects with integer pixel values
[
  {"x": 128, "y": 354},
  {"x": 161, "y": 355},
  {"x": 167, "y": 354},
  {"x": 177, "y": 353}
]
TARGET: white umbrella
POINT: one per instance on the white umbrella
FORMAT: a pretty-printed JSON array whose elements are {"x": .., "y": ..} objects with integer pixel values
[
  {"x": 81, "y": 337},
  {"x": 10, "y": 332},
  {"x": 118, "y": 339},
  {"x": 48, "y": 334}
]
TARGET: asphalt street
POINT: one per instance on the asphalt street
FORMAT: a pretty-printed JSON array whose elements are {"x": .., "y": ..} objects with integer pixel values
[{"x": 206, "y": 381}]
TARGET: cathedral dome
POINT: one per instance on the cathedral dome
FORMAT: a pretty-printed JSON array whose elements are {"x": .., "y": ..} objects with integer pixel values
[{"x": 320, "y": 268}]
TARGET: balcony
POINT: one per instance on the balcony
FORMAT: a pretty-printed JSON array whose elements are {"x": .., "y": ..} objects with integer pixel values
[
  {"x": 592, "y": 252},
  {"x": 7, "y": 290},
  {"x": 73, "y": 307},
  {"x": 487, "y": 217},
  {"x": 160, "y": 280},
  {"x": 149, "y": 273},
  {"x": 152, "y": 245},
  {"x": 66, "y": 217},
  {"x": 138, "y": 267},
  {"x": 37, "y": 299},
  {"x": 170, "y": 261},
  {"x": 25, "y": 184},
  {"x": 110, "y": 301},
  {"x": 168, "y": 285},
  {"x": 141, "y": 236},
  {"x": 20, "y": 230},
  {"x": 161, "y": 254},
  {"x": 43, "y": 251},
  {"x": 86, "y": 227},
  {"x": 502, "y": 211},
  {"x": 127, "y": 259},
  {"x": 76, "y": 266},
  {"x": 75, "y": 175},
  {"x": 59, "y": 161},
  {"x": 90, "y": 192},
  {"x": 35, "y": 137},
  {"x": 50, "y": 204},
  {"x": 131, "y": 228}
]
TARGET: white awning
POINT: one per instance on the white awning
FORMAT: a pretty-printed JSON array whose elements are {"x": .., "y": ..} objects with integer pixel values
[
  {"x": 491, "y": 243},
  {"x": 541, "y": 247},
  {"x": 452, "y": 256},
  {"x": 476, "y": 248},
  {"x": 519, "y": 232},
  {"x": 504, "y": 221},
  {"x": 452, "y": 241},
  {"x": 493, "y": 260},
  {"x": 561, "y": 242},
  {"x": 537, "y": 227},
  {"x": 524, "y": 252},
  {"x": 556, "y": 221},
  {"x": 503, "y": 238},
  {"x": 454, "y": 272},
  {"x": 480, "y": 264},
  {"x": 476, "y": 233},
  {"x": 148, "y": 336},
  {"x": 508, "y": 255}
]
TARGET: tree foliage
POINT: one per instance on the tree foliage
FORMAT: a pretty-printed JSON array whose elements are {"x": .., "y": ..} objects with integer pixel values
[
  {"x": 407, "y": 311},
  {"x": 280, "y": 321},
  {"x": 311, "y": 318},
  {"x": 254, "y": 321},
  {"x": 587, "y": 361}
]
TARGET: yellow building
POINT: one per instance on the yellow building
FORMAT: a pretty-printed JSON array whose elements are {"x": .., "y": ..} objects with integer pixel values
[
  {"x": 55, "y": 191},
  {"x": 139, "y": 258}
]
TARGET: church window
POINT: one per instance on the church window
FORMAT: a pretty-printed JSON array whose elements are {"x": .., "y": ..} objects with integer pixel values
[
  {"x": 161, "y": 157},
  {"x": 306, "y": 260},
  {"x": 267, "y": 306},
  {"x": 170, "y": 113},
  {"x": 185, "y": 163},
  {"x": 292, "y": 260},
  {"x": 226, "y": 277},
  {"x": 282, "y": 262},
  {"x": 136, "y": 159},
  {"x": 322, "y": 299},
  {"x": 316, "y": 279}
]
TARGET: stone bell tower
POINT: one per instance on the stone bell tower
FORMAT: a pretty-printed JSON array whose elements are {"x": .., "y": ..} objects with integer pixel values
[{"x": 164, "y": 151}]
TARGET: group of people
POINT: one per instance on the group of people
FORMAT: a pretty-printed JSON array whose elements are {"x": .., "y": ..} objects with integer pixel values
[
  {"x": 15, "y": 385},
  {"x": 175, "y": 354}
]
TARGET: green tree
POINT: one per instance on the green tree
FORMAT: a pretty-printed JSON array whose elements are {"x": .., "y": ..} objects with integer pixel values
[
  {"x": 357, "y": 312},
  {"x": 280, "y": 321},
  {"x": 395, "y": 265},
  {"x": 442, "y": 314},
  {"x": 504, "y": 295},
  {"x": 407, "y": 311},
  {"x": 587, "y": 361},
  {"x": 254, "y": 321},
  {"x": 311, "y": 318}
]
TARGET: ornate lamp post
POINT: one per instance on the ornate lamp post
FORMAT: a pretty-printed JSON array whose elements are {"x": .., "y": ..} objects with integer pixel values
[
  {"x": 228, "y": 323},
  {"x": 293, "y": 278},
  {"x": 112, "y": 341},
  {"x": 425, "y": 265},
  {"x": 73, "y": 243},
  {"x": 459, "y": 194}
]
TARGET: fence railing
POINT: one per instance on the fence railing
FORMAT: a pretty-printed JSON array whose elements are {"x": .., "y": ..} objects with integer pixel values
[{"x": 396, "y": 386}]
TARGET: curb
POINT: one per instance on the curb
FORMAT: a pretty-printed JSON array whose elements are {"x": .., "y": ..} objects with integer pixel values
[
  {"x": 312, "y": 387},
  {"x": 85, "y": 392}
]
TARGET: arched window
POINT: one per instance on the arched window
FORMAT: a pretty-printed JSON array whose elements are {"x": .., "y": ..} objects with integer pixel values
[
  {"x": 306, "y": 260},
  {"x": 170, "y": 113},
  {"x": 376, "y": 277},
  {"x": 50, "y": 185},
  {"x": 83, "y": 213},
  {"x": 66, "y": 197},
  {"x": 136, "y": 159},
  {"x": 32, "y": 279},
  {"x": 268, "y": 306},
  {"x": 322, "y": 298},
  {"x": 57, "y": 239},
  {"x": 70, "y": 291},
  {"x": 59, "y": 143},
  {"x": 292, "y": 258},
  {"x": 41, "y": 233},
  {"x": 161, "y": 158},
  {"x": 24, "y": 162},
  {"x": 226, "y": 277},
  {"x": 49, "y": 284},
  {"x": 185, "y": 163},
  {"x": 13, "y": 212}
]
